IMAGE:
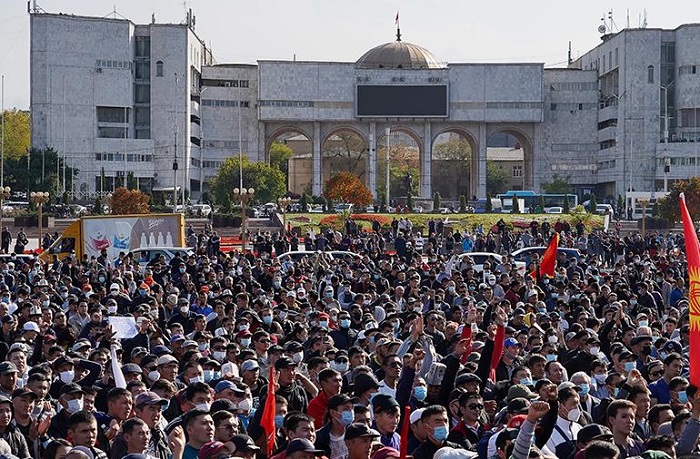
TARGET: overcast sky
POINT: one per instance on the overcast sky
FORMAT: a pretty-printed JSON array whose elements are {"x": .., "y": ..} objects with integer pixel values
[{"x": 342, "y": 30}]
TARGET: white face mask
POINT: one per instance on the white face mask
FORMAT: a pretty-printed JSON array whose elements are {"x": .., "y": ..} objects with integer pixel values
[
  {"x": 202, "y": 406},
  {"x": 67, "y": 376},
  {"x": 75, "y": 405},
  {"x": 219, "y": 355},
  {"x": 298, "y": 357},
  {"x": 196, "y": 379},
  {"x": 245, "y": 405},
  {"x": 112, "y": 309},
  {"x": 153, "y": 375},
  {"x": 574, "y": 415},
  {"x": 595, "y": 350}
]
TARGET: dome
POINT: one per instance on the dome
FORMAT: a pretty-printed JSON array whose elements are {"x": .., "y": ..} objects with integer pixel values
[{"x": 398, "y": 55}]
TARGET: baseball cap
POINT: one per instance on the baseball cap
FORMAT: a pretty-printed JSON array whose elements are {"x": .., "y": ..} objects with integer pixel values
[
  {"x": 284, "y": 362},
  {"x": 131, "y": 368},
  {"x": 149, "y": 398},
  {"x": 518, "y": 405},
  {"x": 447, "y": 452},
  {"x": 386, "y": 452},
  {"x": 415, "y": 415},
  {"x": 244, "y": 443},
  {"x": 7, "y": 367},
  {"x": 210, "y": 449},
  {"x": 593, "y": 432},
  {"x": 384, "y": 402},
  {"x": 250, "y": 365},
  {"x": 519, "y": 391},
  {"x": 24, "y": 392},
  {"x": 303, "y": 445},
  {"x": 31, "y": 326},
  {"x": 511, "y": 342},
  {"x": 166, "y": 359},
  {"x": 225, "y": 384},
  {"x": 360, "y": 429},
  {"x": 71, "y": 388},
  {"x": 517, "y": 421}
]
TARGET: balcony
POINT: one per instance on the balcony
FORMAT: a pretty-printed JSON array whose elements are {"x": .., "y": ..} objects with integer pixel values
[{"x": 608, "y": 133}]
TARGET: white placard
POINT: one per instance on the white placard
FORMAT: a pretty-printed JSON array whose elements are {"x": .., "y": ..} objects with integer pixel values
[{"x": 124, "y": 327}]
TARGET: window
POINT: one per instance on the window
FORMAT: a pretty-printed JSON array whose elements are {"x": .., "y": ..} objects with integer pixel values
[
  {"x": 517, "y": 171},
  {"x": 142, "y": 93},
  {"x": 650, "y": 74},
  {"x": 112, "y": 115},
  {"x": 142, "y": 116},
  {"x": 159, "y": 68},
  {"x": 143, "y": 47},
  {"x": 112, "y": 132},
  {"x": 143, "y": 70}
]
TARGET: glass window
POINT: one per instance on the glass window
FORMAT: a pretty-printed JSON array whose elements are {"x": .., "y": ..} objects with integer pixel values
[
  {"x": 142, "y": 93},
  {"x": 112, "y": 115},
  {"x": 650, "y": 74},
  {"x": 159, "y": 68},
  {"x": 143, "y": 46},
  {"x": 143, "y": 70},
  {"x": 112, "y": 132}
]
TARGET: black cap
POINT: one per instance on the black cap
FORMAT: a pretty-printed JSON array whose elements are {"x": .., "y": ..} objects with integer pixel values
[
  {"x": 360, "y": 429},
  {"x": 384, "y": 402},
  {"x": 593, "y": 432},
  {"x": 7, "y": 367},
  {"x": 638, "y": 339},
  {"x": 131, "y": 368},
  {"x": 24, "y": 392},
  {"x": 303, "y": 445},
  {"x": 518, "y": 405},
  {"x": 59, "y": 362},
  {"x": 337, "y": 400},
  {"x": 284, "y": 362},
  {"x": 467, "y": 378},
  {"x": 71, "y": 388},
  {"x": 364, "y": 382},
  {"x": 244, "y": 443}
]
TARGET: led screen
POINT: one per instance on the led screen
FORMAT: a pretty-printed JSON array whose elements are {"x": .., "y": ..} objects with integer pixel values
[{"x": 401, "y": 101}]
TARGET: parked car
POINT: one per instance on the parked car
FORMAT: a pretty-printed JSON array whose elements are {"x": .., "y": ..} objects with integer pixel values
[
  {"x": 480, "y": 257},
  {"x": 525, "y": 254},
  {"x": 604, "y": 209},
  {"x": 554, "y": 210},
  {"x": 317, "y": 209},
  {"x": 145, "y": 255},
  {"x": 200, "y": 210},
  {"x": 342, "y": 207}
]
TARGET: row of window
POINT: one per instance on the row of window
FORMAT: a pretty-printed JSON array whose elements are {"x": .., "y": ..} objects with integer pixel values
[
  {"x": 676, "y": 161},
  {"x": 208, "y": 164},
  {"x": 113, "y": 114},
  {"x": 607, "y": 144},
  {"x": 511, "y": 105},
  {"x": 571, "y": 167},
  {"x": 225, "y": 103},
  {"x": 574, "y": 86},
  {"x": 224, "y": 144},
  {"x": 287, "y": 103},
  {"x": 110, "y": 64},
  {"x": 226, "y": 83},
  {"x": 610, "y": 164},
  {"x": 572, "y": 107},
  {"x": 119, "y": 157},
  {"x": 687, "y": 70}
]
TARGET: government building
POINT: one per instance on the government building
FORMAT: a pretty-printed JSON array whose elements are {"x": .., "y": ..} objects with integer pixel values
[{"x": 115, "y": 98}]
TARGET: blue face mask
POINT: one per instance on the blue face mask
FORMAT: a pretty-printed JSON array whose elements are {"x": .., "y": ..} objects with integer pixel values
[
  {"x": 440, "y": 433},
  {"x": 526, "y": 382},
  {"x": 585, "y": 389},
  {"x": 347, "y": 417},
  {"x": 551, "y": 357},
  {"x": 683, "y": 396},
  {"x": 279, "y": 421},
  {"x": 420, "y": 393},
  {"x": 629, "y": 366},
  {"x": 345, "y": 323},
  {"x": 142, "y": 292},
  {"x": 267, "y": 320}
]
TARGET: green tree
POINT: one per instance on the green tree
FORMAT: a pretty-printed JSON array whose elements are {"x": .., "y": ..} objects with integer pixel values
[
  {"x": 488, "y": 208},
  {"x": 567, "y": 205},
  {"x": 97, "y": 206},
  {"x": 620, "y": 206},
  {"x": 592, "y": 203},
  {"x": 451, "y": 161},
  {"x": 304, "y": 202},
  {"x": 268, "y": 181},
  {"x": 669, "y": 207},
  {"x": 17, "y": 134},
  {"x": 496, "y": 178},
  {"x": 37, "y": 172},
  {"x": 436, "y": 200},
  {"x": 280, "y": 154},
  {"x": 558, "y": 185},
  {"x": 516, "y": 205},
  {"x": 462, "y": 203}
]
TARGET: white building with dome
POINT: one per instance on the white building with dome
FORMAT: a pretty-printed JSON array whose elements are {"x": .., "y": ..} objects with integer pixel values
[{"x": 133, "y": 98}]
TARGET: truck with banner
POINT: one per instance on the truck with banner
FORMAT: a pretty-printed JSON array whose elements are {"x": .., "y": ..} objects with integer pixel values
[{"x": 117, "y": 233}]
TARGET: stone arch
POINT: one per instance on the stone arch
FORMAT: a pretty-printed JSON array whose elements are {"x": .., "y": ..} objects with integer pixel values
[
  {"x": 345, "y": 148},
  {"x": 299, "y": 168},
  {"x": 406, "y": 154},
  {"x": 509, "y": 161},
  {"x": 452, "y": 177}
]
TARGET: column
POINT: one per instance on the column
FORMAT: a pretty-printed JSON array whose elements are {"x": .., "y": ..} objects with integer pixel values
[
  {"x": 263, "y": 153},
  {"x": 316, "y": 142},
  {"x": 480, "y": 190},
  {"x": 426, "y": 163},
  {"x": 372, "y": 152}
]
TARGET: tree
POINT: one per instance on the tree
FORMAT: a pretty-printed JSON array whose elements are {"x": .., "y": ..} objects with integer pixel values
[
  {"x": 620, "y": 206},
  {"x": 125, "y": 202},
  {"x": 516, "y": 205},
  {"x": 131, "y": 181},
  {"x": 540, "y": 204},
  {"x": 436, "y": 201},
  {"x": 280, "y": 154},
  {"x": 97, "y": 206},
  {"x": 348, "y": 150},
  {"x": 592, "y": 203},
  {"x": 558, "y": 185},
  {"x": 304, "y": 202},
  {"x": 347, "y": 187},
  {"x": 37, "y": 172},
  {"x": 488, "y": 208},
  {"x": 268, "y": 181},
  {"x": 462, "y": 203},
  {"x": 669, "y": 207},
  {"x": 451, "y": 161},
  {"x": 17, "y": 134},
  {"x": 567, "y": 205},
  {"x": 496, "y": 178}
]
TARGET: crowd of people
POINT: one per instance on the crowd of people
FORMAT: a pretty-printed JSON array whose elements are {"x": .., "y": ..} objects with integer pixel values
[{"x": 373, "y": 355}]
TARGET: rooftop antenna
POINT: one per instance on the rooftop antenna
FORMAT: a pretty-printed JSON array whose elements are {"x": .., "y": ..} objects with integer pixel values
[
  {"x": 628, "y": 18},
  {"x": 644, "y": 21},
  {"x": 569, "y": 59},
  {"x": 613, "y": 26},
  {"x": 398, "y": 28},
  {"x": 153, "y": 18}
]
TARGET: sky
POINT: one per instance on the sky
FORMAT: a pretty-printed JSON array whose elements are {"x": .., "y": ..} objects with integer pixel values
[{"x": 244, "y": 31}]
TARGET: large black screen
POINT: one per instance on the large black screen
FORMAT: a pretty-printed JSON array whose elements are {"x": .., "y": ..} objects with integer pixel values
[{"x": 402, "y": 101}]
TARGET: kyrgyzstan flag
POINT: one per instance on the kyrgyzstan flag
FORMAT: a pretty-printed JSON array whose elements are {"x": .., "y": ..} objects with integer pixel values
[
  {"x": 267, "y": 422},
  {"x": 549, "y": 258},
  {"x": 692, "y": 253}
]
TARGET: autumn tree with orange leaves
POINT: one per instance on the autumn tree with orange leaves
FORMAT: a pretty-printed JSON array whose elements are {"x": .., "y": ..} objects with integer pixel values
[
  {"x": 347, "y": 187},
  {"x": 128, "y": 202}
]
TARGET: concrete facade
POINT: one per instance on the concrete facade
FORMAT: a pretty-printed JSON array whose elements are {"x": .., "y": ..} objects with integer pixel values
[{"x": 599, "y": 122}]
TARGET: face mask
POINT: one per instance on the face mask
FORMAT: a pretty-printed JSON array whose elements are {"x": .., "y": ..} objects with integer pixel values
[
  {"x": 440, "y": 433},
  {"x": 451, "y": 290},
  {"x": 585, "y": 389},
  {"x": 242, "y": 327},
  {"x": 297, "y": 357},
  {"x": 112, "y": 309},
  {"x": 211, "y": 375},
  {"x": 185, "y": 310},
  {"x": 245, "y": 342},
  {"x": 345, "y": 323},
  {"x": 153, "y": 375},
  {"x": 74, "y": 405},
  {"x": 629, "y": 366},
  {"x": 67, "y": 376},
  {"x": 574, "y": 415},
  {"x": 340, "y": 366},
  {"x": 347, "y": 417},
  {"x": 683, "y": 396},
  {"x": 420, "y": 393},
  {"x": 323, "y": 324},
  {"x": 267, "y": 320},
  {"x": 551, "y": 357},
  {"x": 142, "y": 292},
  {"x": 182, "y": 270},
  {"x": 279, "y": 421},
  {"x": 245, "y": 405},
  {"x": 45, "y": 303},
  {"x": 418, "y": 309},
  {"x": 101, "y": 279},
  {"x": 643, "y": 323},
  {"x": 329, "y": 294},
  {"x": 196, "y": 379},
  {"x": 219, "y": 355},
  {"x": 202, "y": 406},
  {"x": 616, "y": 392},
  {"x": 552, "y": 339},
  {"x": 526, "y": 382},
  {"x": 277, "y": 284},
  {"x": 555, "y": 296},
  {"x": 600, "y": 379},
  {"x": 595, "y": 350},
  {"x": 203, "y": 346},
  {"x": 633, "y": 302}
]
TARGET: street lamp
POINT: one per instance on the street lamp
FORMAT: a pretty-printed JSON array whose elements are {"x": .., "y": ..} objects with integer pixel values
[
  {"x": 39, "y": 198},
  {"x": 5, "y": 193},
  {"x": 644, "y": 202},
  {"x": 666, "y": 117},
  {"x": 284, "y": 205},
  {"x": 244, "y": 195}
]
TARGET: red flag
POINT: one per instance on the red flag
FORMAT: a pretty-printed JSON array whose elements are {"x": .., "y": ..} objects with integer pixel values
[
  {"x": 466, "y": 334},
  {"x": 403, "y": 451},
  {"x": 498, "y": 343},
  {"x": 549, "y": 258},
  {"x": 692, "y": 253},
  {"x": 267, "y": 422}
]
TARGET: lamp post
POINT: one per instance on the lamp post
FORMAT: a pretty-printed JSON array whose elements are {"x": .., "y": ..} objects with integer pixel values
[
  {"x": 644, "y": 202},
  {"x": 39, "y": 198},
  {"x": 666, "y": 117},
  {"x": 5, "y": 193},
  {"x": 284, "y": 205},
  {"x": 244, "y": 195}
]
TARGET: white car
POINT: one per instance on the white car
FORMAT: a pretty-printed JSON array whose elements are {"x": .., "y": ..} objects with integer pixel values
[
  {"x": 145, "y": 255},
  {"x": 317, "y": 209},
  {"x": 480, "y": 257},
  {"x": 203, "y": 210},
  {"x": 554, "y": 210}
]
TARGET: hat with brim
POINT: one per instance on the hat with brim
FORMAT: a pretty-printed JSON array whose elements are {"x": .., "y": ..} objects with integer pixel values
[
  {"x": 360, "y": 429},
  {"x": 302, "y": 445}
]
